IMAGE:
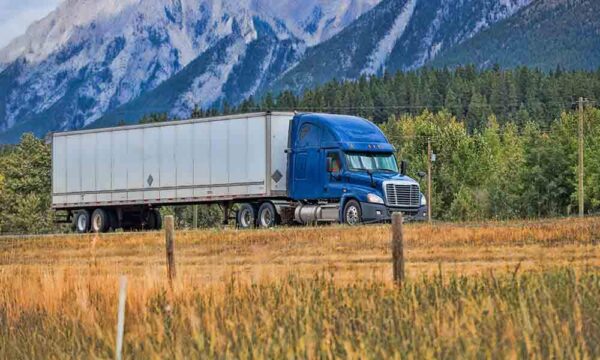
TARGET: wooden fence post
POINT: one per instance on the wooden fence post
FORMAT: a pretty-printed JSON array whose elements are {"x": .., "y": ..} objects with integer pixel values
[
  {"x": 121, "y": 318},
  {"x": 170, "y": 239},
  {"x": 398, "y": 247}
]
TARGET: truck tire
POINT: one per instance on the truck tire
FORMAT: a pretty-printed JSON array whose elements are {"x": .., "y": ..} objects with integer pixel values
[
  {"x": 100, "y": 221},
  {"x": 114, "y": 220},
  {"x": 267, "y": 216},
  {"x": 352, "y": 213},
  {"x": 82, "y": 221},
  {"x": 157, "y": 220},
  {"x": 154, "y": 221},
  {"x": 246, "y": 216}
]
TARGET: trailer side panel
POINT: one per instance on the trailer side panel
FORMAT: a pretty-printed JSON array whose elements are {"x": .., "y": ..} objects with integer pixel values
[{"x": 178, "y": 162}]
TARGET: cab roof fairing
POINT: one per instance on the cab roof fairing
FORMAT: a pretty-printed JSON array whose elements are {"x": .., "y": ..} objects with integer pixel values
[{"x": 350, "y": 133}]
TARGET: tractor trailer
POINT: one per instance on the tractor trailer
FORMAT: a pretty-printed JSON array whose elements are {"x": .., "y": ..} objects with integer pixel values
[{"x": 266, "y": 168}]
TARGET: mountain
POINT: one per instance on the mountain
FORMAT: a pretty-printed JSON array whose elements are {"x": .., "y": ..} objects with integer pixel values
[
  {"x": 231, "y": 70},
  {"x": 396, "y": 35},
  {"x": 545, "y": 35},
  {"x": 91, "y": 56},
  {"x": 96, "y": 63}
]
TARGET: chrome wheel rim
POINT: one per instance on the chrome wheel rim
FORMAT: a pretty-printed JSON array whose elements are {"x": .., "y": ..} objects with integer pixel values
[
  {"x": 81, "y": 222},
  {"x": 246, "y": 218},
  {"x": 266, "y": 218},
  {"x": 96, "y": 225},
  {"x": 352, "y": 217}
]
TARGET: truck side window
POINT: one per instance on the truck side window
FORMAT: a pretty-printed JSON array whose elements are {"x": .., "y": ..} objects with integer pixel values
[{"x": 333, "y": 162}]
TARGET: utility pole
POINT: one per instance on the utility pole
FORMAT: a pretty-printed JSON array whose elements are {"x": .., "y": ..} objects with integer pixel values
[
  {"x": 581, "y": 163},
  {"x": 429, "y": 159}
]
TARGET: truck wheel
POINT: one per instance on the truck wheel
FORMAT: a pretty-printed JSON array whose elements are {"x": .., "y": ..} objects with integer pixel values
[
  {"x": 157, "y": 219},
  {"x": 154, "y": 220},
  {"x": 246, "y": 216},
  {"x": 82, "y": 221},
  {"x": 352, "y": 213},
  {"x": 100, "y": 221},
  {"x": 267, "y": 216},
  {"x": 114, "y": 220}
]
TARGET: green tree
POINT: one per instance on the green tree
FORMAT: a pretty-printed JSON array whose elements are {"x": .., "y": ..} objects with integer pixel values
[
  {"x": 477, "y": 113},
  {"x": 25, "y": 198},
  {"x": 154, "y": 118}
]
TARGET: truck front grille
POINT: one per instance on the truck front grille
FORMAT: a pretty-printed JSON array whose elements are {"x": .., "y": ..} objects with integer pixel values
[{"x": 403, "y": 195}]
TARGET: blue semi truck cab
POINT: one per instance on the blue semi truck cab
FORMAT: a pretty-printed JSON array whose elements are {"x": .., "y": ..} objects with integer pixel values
[{"x": 343, "y": 168}]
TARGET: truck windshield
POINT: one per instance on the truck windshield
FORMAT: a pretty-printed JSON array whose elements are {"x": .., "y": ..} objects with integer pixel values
[{"x": 372, "y": 161}]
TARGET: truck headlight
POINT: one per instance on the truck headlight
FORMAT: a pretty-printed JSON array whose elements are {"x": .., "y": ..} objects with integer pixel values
[
  {"x": 375, "y": 199},
  {"x": 423, "y": 200}
]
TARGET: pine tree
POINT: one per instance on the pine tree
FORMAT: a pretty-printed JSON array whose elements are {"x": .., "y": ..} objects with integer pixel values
[{"x": 477, "y": 113}]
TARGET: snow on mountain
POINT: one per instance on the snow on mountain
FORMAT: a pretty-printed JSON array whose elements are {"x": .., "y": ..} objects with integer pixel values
[
  {"x": 387, "y": 44},
  {"x": 396, "y": 35},
  {"x": 91, "y": 56}
]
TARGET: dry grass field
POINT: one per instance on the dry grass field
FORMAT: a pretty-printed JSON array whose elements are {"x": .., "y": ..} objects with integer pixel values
[{"x": 514, "y": 289}]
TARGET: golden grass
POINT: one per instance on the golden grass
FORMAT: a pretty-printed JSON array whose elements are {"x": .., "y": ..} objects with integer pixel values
[{"x": 474, "y": 290}]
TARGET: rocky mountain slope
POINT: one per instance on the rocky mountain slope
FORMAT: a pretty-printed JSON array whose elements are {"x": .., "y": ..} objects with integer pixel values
[
  {"x": 97, "y": 63},
  {"x": 89, "y": 56},
  {"x": 396, "y": 35},
  {"x": 545, "y": 35}
]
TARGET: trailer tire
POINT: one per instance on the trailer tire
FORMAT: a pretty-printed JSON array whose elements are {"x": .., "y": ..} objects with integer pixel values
[
  {"x": 246, "y": 216},
  {"x": 154, "y": 221},
  {"x": 352, "y": 213},
  {"x": 113, "y": 218},
  {"x": 267, "y": 216},
  {"x": 81, "y": 221},
  {"x": 100, "y": 221},
  {"x": 157, "y": 220}
]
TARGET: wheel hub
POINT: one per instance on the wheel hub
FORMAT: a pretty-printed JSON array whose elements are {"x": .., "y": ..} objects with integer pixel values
[
  {"x": 81, "y": 220},
  {"x": 352, "y": 215},
  {"x": 246, "y": 218},
  {"x": 266, "y": 218},
  {"x": 96, "y": 223}
]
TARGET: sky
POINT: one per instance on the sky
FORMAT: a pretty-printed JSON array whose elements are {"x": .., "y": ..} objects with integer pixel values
[{"x": 17, "y": 15}]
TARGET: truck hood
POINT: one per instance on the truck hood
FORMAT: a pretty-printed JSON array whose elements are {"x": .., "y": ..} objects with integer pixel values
[{"x": 379, "y": 178}]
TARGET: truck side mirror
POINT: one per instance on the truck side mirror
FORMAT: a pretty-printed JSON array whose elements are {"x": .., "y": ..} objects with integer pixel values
[
  {"x": 403, "y": 167},
  {"x": 422, "y": 174}
]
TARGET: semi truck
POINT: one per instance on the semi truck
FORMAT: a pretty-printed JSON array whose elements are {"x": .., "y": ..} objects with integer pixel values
[{"x": 264, "y": 169}]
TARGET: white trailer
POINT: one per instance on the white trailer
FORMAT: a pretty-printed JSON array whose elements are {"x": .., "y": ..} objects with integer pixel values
[{"x": 107, "y": 177}]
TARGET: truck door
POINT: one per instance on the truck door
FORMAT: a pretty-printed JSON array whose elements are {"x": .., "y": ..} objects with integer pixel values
[
  {"x": 307, "y": 181},
  {"x": 332, "y": 175}
]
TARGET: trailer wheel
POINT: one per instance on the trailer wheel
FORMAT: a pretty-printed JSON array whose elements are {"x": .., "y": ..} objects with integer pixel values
[
  {"x": 267, "y": 216},
  {"x": 100, "y": 221},
  {"x": 82, "y": 221},
  {"x": 157, "y": 219},
  {"x": 352, "y": 213},
  {"x": 113, "y": 218},
  {"x": 154, "y": 220},
  {"x": 246, "y": 216}
]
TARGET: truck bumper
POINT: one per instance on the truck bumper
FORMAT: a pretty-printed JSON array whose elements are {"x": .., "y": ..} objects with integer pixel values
[{"x": 373, "y": 213}]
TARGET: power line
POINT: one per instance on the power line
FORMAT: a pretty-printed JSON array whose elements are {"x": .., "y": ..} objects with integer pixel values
[{"x": 564, "y": 105}]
